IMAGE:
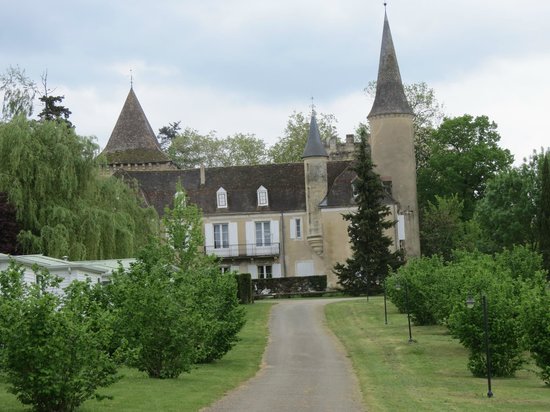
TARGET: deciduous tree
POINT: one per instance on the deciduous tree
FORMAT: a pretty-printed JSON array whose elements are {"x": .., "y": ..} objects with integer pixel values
[{"x": 464, "y": 155}]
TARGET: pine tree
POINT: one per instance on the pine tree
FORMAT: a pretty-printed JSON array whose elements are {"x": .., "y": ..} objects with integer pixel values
[
  {"x": 544, "y": 216},
  {"x": 371, "y": 257}
]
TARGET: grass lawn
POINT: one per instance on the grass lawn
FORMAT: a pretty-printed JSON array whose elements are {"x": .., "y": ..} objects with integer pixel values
[
  {"x": 429, "y": 375},
  {"x": 190, "y": 392}
]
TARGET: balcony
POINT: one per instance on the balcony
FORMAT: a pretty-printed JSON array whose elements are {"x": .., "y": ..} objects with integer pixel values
[{"x": 243, "y": 251}]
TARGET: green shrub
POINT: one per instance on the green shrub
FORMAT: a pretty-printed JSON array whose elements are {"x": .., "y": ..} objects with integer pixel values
[
  {"x": 536, "y": 323},
  {"x": 429, "y": 285},
  {"x": 505, "y": 329},
  {"x": 53, "y": 352},
  {"x": 220, "y": 312}
]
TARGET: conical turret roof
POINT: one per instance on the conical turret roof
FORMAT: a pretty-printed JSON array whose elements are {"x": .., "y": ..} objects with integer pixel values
[
  {"x": 390, "y": 95},
  {"x": 133, "y": 140},
  {"x": 314, "y": 145}
]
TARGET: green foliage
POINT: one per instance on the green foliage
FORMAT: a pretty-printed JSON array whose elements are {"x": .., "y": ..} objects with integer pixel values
[
  {"x": 536, "y": 322},
  {"x": 173, "y": 306},
  {"x": 544, "y": 215},
  {"x": 189, "y": 149},
  {"x": 218, "y": 305},
  {"x": 290, "y": 147},
  {"x": 508, "y": 212},
  {"x": 64, "y": 206},
  {"x": 430, "y": 288},
  {"x": 53, "y": 347},
  {"x": 441, "y": 226},
  {"x": 463, "y": 155},
  {"x": 505, "y": 330},
  {"x": 437, "y": 292},
  {"x": 371, "y": 258}
]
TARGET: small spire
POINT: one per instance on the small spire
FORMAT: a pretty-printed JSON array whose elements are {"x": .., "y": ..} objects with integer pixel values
[
  {"x": 313, "y": 113},
  {"x": 314, "y": 145},
  {"x": 131, "y": 79}
]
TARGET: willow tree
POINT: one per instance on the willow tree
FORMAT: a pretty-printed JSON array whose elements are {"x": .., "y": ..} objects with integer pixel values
[{"x": 64, "y": 206}]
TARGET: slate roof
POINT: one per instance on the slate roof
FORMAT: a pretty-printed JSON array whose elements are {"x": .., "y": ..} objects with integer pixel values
[
  {"x": 284, "y": 182},
  {"x": 390, "y": 95},
  {"x": 133, "y": 140},
  {"x": 314, "y": 145}
]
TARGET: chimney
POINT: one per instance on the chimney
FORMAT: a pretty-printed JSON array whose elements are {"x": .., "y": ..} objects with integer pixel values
[{"x": 203, "y": 175}]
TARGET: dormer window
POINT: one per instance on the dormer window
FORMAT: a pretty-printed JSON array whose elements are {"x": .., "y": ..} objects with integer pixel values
[
  {"x": 262, "y": 196},
  {"x": 221, "y": 198}
]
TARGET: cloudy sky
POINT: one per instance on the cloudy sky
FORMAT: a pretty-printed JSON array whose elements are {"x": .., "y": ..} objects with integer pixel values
[{"x": 245, "y": 66}]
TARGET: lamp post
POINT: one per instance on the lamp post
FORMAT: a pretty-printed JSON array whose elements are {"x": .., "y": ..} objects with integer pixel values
[
  {"x": 470, "y": 304},
  {"x": 385, "y": 305},
  {"x": 398, "y": 287}
]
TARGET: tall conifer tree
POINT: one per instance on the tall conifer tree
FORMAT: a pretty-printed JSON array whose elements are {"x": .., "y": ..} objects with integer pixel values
[
  {"x": 544, "y": 216},
  {"x": 371, "y": 257}
]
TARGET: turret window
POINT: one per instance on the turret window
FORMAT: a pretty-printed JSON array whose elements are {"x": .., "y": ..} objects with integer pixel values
[
  {"x": 262, "y": 196},
  {"x": 221, "y": 197}
]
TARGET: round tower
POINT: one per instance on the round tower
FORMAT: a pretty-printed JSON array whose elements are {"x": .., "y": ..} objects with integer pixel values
[
  {"x": 315, "y": 172},
  {"x": 392, "y": 143}
]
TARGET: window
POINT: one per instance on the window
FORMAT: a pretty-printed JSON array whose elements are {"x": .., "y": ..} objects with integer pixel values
[
  {"x": 265, "y": 272},
  {"x": 296, "y": 228},
  {"x": 225, "y": 269},
  {"x": 221, "y": 236},
  {"x": 263, "y": 233},
  {"x": 221, "y": 198},
  {"x": 262, "y": 196}
]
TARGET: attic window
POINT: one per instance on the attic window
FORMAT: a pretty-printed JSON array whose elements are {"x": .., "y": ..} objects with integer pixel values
[
  {"x": 221, "y": 198},
  {"x": 262, "y": 196}
]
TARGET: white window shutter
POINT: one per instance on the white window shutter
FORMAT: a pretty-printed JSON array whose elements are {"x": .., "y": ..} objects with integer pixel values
[
  {"x": 401, "y": 227},
  {"x": 276, "y": 270},
  {"x": 209, "y": 237},
  {"x": 233, "y": 239},
  {"x": 275, "y": 231},
  {"x": 293, "y": 228}
]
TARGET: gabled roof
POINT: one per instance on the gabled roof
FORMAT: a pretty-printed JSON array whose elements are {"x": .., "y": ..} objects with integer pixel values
[
  {"x": 390, "y": 95},
  {"x": 133, "y": 140},
  {"x": 284, "y": 182},
  {"x": 314, "y": 145}
]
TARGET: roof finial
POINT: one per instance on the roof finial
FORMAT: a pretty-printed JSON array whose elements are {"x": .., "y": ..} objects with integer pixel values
[
  {"x": 385, "y": 4},
  {"x": 312, "y": 107},
  {"x": 131, "y": 79}
]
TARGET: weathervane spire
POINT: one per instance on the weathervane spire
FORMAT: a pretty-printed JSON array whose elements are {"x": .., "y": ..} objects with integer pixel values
[
  {"x": 131, "y": 79},
  {"x": 312, "y": 106}
]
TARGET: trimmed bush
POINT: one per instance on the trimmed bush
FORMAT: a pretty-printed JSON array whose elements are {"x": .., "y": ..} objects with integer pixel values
[{"x": 245, "y": 289}]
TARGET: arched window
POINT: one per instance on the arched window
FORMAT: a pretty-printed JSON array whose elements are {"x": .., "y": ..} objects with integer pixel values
[
  {"x": 262, "y": 196},
  {"x": 221, "y": 198}
]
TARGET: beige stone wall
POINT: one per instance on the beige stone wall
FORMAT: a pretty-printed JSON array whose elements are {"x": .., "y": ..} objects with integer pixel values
[{"x": 392, "y": 148}]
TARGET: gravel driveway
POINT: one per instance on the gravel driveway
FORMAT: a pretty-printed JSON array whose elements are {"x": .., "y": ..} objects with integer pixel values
[{"x": 305, "y": 368}]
